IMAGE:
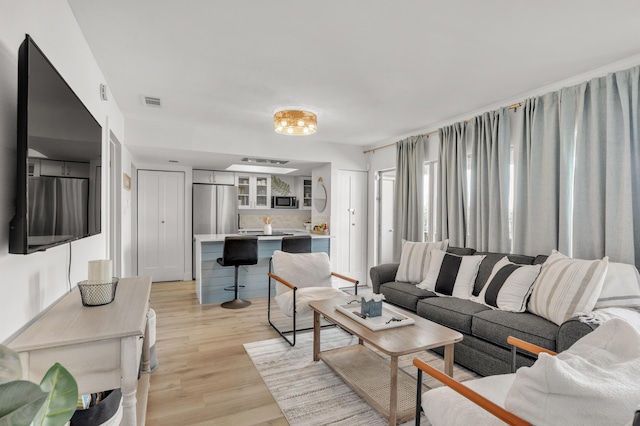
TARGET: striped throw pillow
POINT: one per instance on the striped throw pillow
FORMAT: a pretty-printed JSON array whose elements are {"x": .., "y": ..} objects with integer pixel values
[
  {"x": 621, "y": 287},
  {"x": 567, "y": 287},
  {"x": 508, "y": 286},
  {"x": 451, "y": 275},
  {"x": 414, "y": 261}
]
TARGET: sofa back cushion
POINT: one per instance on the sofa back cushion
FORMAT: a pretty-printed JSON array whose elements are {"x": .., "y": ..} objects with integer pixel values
[{"x": 461, "y": 251}]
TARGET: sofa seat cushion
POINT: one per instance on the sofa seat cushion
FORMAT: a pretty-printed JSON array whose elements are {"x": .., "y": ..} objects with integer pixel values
[
  {"x": 496, "y": 326},
  {"x": 450, "y": 311},
  {"x": 404, "y": 294}
]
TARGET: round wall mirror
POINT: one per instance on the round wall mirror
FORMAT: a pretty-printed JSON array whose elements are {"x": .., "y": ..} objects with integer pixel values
[{"x": 320, "y": 196}]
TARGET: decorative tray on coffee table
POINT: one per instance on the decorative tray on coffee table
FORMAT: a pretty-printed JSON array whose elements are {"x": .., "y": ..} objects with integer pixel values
[{"x": 390, "y": 318}]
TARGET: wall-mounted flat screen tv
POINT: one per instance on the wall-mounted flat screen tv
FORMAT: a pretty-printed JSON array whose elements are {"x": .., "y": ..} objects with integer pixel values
[{"x": 59, "y": 148}]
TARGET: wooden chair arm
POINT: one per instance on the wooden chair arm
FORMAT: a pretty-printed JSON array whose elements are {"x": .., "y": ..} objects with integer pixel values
[
  {"x": 504, "y": 415},
  {"x": 529, "y": 347},
  {"x": 342, "y": 277},
  {"x": 282, "y": 281}
]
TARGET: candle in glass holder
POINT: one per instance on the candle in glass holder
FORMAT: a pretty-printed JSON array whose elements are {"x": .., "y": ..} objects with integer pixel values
[{"x": 99, "y": 271}]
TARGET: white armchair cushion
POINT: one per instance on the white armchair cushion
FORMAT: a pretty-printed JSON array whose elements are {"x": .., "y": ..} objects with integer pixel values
[
  {"x": 304, "y": 296},
  {"x": 445, "y": 407},
  {"x": 310, "y": 273},
  {"x": 301, "y": 269}
]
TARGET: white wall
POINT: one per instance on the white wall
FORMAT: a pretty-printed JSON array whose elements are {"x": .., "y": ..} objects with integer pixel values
[{"x": 30, "y": 283}]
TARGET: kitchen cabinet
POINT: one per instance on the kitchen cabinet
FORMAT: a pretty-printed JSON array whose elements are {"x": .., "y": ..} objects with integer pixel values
[
  {"x": 214, "y": 177},
  {"x": 64, "y": 168},
  {"x": 254, "y": 191},
  {"x": 305, "y": 193}
]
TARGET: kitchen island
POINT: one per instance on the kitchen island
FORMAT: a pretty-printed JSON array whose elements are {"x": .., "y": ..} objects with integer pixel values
[{"x": 211, "y": 278}]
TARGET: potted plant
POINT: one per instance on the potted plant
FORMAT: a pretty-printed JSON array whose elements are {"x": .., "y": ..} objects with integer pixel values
[{"x": 51, "y": 403}]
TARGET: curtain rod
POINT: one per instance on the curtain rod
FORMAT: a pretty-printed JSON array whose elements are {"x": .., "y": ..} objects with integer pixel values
[{"x": 433, "y": 132}]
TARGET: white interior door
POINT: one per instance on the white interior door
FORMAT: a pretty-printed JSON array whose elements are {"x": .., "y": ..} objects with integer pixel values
[
  {"x": 352, "y": 224},
  {"x": 161, "y": 239},
  {"x": 385, "y": 209}
]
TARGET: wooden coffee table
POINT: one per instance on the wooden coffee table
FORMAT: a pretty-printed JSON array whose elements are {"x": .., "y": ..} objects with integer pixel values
[{"x": 362, "y": 369}]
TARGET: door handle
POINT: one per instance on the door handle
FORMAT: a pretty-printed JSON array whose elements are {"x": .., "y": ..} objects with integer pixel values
[{"x": 162, "y": 221}]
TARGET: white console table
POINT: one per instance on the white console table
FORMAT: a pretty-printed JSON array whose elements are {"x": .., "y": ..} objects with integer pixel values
[{"x": 101, "y": 346}]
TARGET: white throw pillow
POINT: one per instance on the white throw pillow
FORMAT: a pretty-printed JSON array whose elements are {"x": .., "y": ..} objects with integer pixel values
[
  {"x": 414, "y": 260},
  {"x": 451, "y": 275},
  {"x": 301, "y": 269},
  {"x": 567, "y": 287},
  {"x": 508, "y": 286},
  {"x": 621, "y": 287}
]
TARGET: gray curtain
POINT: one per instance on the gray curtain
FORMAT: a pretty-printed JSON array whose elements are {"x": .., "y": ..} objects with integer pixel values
[
  {"x": 544, "y": 175},
  {"x": 606, "y": 216},
  {"x": 408, "y": 212},
  {"x": 489, "y": 182},
  {"x": 452, "y": 185}
]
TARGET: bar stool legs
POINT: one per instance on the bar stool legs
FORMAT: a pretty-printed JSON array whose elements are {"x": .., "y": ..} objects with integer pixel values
[{"x": 236, "y": 303}]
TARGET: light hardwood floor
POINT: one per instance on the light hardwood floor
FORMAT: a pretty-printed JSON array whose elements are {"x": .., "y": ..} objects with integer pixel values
[{"x": 204, "y": 375}]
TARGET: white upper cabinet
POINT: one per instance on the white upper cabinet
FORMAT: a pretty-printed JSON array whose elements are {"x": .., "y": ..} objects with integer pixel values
[
  {"x": 254, "y": 191},
  {"x": 214, "y": 177},
  {"x": 304, "y": 197}
]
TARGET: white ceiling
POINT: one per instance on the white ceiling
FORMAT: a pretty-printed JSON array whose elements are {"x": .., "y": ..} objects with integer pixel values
[{"x": 375, "y": 70}]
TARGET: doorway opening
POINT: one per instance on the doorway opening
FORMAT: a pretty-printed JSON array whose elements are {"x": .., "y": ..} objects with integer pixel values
[{"x": 386, "y": 198}]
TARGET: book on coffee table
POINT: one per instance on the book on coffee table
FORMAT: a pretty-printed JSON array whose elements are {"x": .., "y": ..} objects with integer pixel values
[{"x": 390, "y": 318}]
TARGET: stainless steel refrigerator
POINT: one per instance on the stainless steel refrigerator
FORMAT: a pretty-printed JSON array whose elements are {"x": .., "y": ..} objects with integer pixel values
[{"x": 215, "y": 211}]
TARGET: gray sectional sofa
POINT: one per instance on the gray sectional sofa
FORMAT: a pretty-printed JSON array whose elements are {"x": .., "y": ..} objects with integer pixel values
[{"x": 484, "y": 348}]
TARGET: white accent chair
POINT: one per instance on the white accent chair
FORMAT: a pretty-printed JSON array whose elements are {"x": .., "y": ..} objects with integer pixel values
[
  {"x": 593, "y": 382},
  {"x": 301, "y": 278}
]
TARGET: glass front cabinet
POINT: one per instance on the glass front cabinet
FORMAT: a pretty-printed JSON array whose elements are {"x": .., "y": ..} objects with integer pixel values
[
  {"x": 305, "y": 197},
  {"x": 254, "y": 191}
]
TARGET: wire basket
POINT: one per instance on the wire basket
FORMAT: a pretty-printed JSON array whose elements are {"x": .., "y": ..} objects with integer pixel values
[{"x": 96, "y": 294}]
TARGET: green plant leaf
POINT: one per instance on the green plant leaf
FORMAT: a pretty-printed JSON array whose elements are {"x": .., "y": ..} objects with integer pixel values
[
  {"x": 10, "y": 368},
  {"x": 279, "y": 186},
  {"x": 20, "y": 400},
  {"x": 62, "y": 399}
]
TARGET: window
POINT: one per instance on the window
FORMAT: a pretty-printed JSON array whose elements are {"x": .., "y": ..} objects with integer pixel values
[{"x": 430, "y": 200}]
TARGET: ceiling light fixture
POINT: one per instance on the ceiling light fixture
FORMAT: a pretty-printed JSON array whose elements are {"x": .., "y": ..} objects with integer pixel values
[
  {"x": 295, "y": 121},
  {"x": 264, "y": 160}
]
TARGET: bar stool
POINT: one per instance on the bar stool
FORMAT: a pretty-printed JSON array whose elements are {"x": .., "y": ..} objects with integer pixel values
[
  {"x": 237, "y": 251},
  {"x": 297, "y": 244}
]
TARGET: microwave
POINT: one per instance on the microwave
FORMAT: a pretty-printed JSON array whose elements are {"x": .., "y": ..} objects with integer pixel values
[{"x": 278, "y": 202}]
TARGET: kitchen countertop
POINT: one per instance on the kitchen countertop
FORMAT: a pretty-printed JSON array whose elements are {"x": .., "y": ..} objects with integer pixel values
[{"x": 204, "y": 238}]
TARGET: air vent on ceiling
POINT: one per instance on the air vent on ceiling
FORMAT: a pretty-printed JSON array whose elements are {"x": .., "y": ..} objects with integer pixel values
[{"x": 153, "y": 102}]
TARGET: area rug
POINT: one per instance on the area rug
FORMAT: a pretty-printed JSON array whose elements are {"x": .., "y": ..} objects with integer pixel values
[{"x": 309, "y": 393}]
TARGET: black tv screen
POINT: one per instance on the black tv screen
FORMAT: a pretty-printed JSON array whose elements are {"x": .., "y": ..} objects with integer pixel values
[{"x": 59, "y": 148}]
